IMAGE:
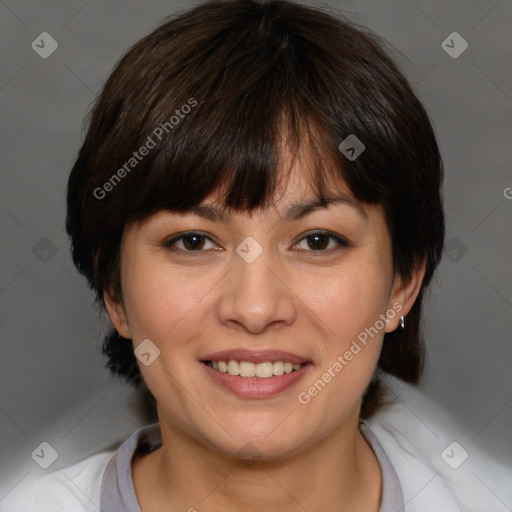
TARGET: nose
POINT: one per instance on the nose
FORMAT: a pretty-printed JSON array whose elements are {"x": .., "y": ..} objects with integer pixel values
[{"x": 256, "y": 297}]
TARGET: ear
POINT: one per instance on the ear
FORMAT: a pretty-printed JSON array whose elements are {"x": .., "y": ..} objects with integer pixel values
[
  {"x": 404, "y": 293},
  {"x": 117, "y": 313}
]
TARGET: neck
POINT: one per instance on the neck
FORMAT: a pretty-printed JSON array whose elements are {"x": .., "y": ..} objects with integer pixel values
[{"x": 339, "y": 472}]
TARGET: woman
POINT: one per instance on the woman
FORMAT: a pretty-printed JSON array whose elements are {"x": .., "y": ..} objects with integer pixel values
[{"x": 257, "y": 205}]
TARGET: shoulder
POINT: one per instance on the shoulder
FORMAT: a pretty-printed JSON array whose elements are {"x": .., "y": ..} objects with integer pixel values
[
  {"x": 74, "y": 488},
  {"x": 439, "y": 467}
]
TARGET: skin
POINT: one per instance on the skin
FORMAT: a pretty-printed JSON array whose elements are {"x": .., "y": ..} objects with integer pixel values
[{"x": 313, "y": 302}]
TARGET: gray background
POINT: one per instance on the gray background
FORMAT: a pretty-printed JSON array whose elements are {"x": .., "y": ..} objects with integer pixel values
[{"x": 53, "y": 386}]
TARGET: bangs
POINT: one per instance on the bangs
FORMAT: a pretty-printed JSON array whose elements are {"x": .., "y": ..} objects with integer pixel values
[
  {"x": 225, "y": 113},
  {"x": 242, "y": 143},
  {"x": 244, "y": 161}
]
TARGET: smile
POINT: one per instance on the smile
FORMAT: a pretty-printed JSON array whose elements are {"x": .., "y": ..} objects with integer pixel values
[
  {"x": 246, "y": 369},
  {"x": 259, "y": 380}
]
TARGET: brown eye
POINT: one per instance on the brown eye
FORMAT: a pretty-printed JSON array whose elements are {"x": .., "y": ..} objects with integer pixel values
[
  {"x": 193, "y": 242},
  {"x": 318, "y": 242},
  {"x": 321, "y": 241},
  {"x": 189, "y": 243}
]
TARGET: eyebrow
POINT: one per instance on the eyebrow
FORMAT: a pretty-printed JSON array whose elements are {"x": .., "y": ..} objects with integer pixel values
[
  {"x": 295, "y": 211},
  {"x": 300, "y": 209}
]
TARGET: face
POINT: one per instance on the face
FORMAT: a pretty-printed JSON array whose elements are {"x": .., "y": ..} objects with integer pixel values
[{"x": 312, "y": 286}]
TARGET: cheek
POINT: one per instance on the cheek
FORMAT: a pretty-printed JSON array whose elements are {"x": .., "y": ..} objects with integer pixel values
[
  {"x": 349, "y": 305},
  {"x": 160, "y": 300},
  {"x": 350, "y": 299}
]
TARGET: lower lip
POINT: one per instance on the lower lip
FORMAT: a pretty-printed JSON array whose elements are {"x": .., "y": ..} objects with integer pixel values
[{"x": 247, "y": 387}]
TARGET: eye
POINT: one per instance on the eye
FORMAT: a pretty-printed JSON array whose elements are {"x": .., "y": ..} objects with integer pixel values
[
  {"x": 320, "y": 241},
  {"x": 196, "y": 242},
  {"x": 189, "y": 242}
]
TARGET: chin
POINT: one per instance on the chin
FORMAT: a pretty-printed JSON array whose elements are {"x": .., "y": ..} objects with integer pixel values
[{"x": 269, "y": 445}]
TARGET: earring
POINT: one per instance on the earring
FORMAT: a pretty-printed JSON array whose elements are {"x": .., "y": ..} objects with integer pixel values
[{"x": 402, "y": 322}]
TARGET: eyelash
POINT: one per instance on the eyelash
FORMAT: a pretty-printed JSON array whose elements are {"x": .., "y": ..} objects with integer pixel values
[{"x": 340, "y": 241}]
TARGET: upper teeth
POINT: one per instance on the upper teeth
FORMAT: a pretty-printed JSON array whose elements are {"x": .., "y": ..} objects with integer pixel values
[{"x": 248, "y": 369}]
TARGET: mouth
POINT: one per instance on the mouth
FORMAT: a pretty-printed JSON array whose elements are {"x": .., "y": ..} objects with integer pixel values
[
  {"x": 250, "y": 370},
  {"x": 250, "y": 374}
]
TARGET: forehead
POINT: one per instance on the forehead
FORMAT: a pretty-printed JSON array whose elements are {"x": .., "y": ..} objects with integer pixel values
[
  {"x": 298, "y": 176},
  {"x": 305, "y": 182},
  {"x": 296, "y": 194}
]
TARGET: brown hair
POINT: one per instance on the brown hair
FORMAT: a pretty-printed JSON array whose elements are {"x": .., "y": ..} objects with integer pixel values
[{"x": 208, "y": 94}]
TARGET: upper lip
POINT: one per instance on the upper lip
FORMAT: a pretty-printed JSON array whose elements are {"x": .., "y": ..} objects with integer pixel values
[{"x": 255, "y": 356}]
